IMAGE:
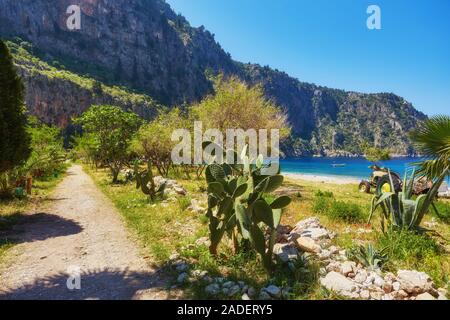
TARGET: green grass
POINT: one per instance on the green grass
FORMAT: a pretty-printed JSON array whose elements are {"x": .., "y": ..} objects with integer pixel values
[
  {"x": 164, "y": 229},
  {"x": 443, "y": 208},
  {"x": 414, "y": 250}
]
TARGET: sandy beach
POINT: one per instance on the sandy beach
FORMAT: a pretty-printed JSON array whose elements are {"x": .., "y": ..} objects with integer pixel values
[{"x": 322, "y": 179}]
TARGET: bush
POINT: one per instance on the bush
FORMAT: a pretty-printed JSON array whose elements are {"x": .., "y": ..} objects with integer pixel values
[
  {"x": 321, "y": 204},
  {"x": 349, "y": 212},
  {"x": 324, "y": 203},
  {"x": 325, "y": 194}
]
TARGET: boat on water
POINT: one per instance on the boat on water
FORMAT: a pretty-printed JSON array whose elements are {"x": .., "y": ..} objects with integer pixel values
[{"x": 338, "y": 165}]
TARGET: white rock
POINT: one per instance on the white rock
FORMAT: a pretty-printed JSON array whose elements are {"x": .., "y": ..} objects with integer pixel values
[
  {"x": 324, "y": 255},
  {"x": 308, "y": 245},
  {"x": 333, "y": 250},
  {"x": 285, "y": 252},
  {"x": 390, "y": 277},
  {"x": 347, "y": 267},
  {"x": 245, "y": 297},
  {"x": 334, "y": 266},
  {"x": 273, "y": 291},
  {"x": 376, "y": 295},
  {"x": 396, "y": 286},
  {"x": 334, "y": 281},
  {"x": 365, "y": 294},
  {"x": 199, "y": 274},
  {"x": 414, "y": 282},
  {"x": 425, "y": 296},
  {"x": 315, "y": 233},
  {"x": 361, "y": 276},
  {"x": 378, "y": 281}
]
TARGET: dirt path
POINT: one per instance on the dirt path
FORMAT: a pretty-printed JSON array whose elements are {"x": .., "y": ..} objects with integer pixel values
[{"x": 81, "y": 232}]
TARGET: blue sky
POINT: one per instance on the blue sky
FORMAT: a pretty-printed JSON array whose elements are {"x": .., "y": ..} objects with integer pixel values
[{"x": 327, "y": 42}]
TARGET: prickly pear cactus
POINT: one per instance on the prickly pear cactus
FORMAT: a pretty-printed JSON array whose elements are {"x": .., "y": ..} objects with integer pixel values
[
  {"x": 145, "y": 182},
  {"x": 237, "y": 207}
]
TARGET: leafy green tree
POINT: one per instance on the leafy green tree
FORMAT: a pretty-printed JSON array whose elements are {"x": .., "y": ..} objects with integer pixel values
[
  {"x": 432, "y": 140},
  {"x": 86, "y": 148},
  {"x": 47, "y": 155},
  {"x": 48, "y": 152},
  {"x": 154, "y": 140},
  {"x": 14, "y": 139},
  {"x": 374, "y": 154},
  {"x": 113, "y": 129}
]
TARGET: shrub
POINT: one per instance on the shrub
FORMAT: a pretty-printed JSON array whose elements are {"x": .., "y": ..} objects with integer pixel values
[
  {"x": 349, "y": 212},
  {"x": 324, "y": 203},
  {"x": 325, "y": 194},
  {"x": 321, "y": 204}
]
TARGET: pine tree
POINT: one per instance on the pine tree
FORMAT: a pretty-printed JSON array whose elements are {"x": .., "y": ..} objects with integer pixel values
[{"x": 14, "y": 139}]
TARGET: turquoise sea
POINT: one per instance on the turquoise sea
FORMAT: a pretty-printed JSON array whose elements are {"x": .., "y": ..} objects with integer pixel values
[{"x": 354, "y": 167}]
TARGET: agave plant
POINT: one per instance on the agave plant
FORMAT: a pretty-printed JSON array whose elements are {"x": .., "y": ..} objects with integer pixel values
[
  {"x": 368, "y": 256},
  {"x": 400, "y": 209}
]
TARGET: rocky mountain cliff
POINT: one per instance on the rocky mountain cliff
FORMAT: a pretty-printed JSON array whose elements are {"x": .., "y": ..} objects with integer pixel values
[{"x": 152, "y": 53}]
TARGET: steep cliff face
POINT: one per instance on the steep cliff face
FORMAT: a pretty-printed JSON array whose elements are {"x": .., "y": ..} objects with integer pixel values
[
  {"x": 145, "y": 46},
  {"x": 56, "y": 96},
  {"x": 140, "y": 43}
]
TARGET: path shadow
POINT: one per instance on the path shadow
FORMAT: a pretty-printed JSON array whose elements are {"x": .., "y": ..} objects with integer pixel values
[
  {"x": 95, "y": 285},
  {"x": 39, "y": 227}
]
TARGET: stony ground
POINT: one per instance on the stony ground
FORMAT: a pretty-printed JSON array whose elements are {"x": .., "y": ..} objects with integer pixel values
[{"x": 80, "y": 233}]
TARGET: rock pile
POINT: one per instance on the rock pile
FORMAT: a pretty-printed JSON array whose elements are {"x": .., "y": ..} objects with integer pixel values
[
  {"x": 172, "y": 186},
  {"x": 338, "y": 274},
  {"x": 348, "y": 278}
]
